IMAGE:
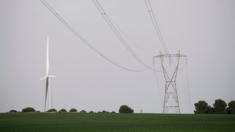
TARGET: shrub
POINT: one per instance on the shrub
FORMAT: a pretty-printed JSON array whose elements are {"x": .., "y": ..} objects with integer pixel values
[
  {"x": 73, "y": 110},
  {"x": 99, "y": 112},
  {"x": 63, "y": 111},
  {"x": 37, "y": 111},
  {"x": 28, "y": 109},
  {"x": 113, "y": 112},
  {"x": 202, "y": 107},
  {"x": 125, "y": 109},
  {"x": 83, "y": 111},
  {"x": 52, "y": 110},
  {"x": 13, "y": 111},
  {"x": 91, "y": 112}
]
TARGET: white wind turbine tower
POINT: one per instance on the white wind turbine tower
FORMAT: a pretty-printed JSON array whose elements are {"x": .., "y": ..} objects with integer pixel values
[{"x": 48, "y": 78}]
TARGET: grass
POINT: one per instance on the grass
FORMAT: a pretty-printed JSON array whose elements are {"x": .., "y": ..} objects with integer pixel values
[{"x": 78, "y": 122}]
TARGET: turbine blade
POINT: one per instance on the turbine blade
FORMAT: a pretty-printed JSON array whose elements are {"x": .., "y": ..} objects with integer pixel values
[
  {"x": 42, "y": 78},
  {"x": 46, "y": 94},
  {"x": 47, "y": 56}
]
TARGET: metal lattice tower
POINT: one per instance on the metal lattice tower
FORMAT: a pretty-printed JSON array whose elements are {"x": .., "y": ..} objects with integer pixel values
[{"x": 170, "y": 81}]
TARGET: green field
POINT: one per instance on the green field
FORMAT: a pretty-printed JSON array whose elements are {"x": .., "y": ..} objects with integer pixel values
[{"x": 78, "y": 122}]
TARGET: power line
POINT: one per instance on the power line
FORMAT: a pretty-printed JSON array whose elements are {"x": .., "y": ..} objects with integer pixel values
[
  {"x": 103, "y": 13},
  {"x": 129, "y": 37},
  {"x": 188, "y": 88},
  {"x": 83, "y": 40},
  {"x": 157, "y": 83},
  {"x": 152, "y": 16},
  {"x": 165, "y": 34},
  {"x": 157, "y": 29}
]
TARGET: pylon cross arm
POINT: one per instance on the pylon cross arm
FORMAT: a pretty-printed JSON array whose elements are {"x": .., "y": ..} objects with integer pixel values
[{"x": 169, "y": 55}]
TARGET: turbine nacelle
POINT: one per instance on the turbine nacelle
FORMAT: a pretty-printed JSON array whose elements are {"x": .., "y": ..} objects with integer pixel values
[{"x": 51, "y": 76}]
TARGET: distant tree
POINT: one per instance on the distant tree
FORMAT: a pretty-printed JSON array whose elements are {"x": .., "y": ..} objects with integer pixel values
[
  {"x": 99, "y": 112},
  {"x": 220, "y": 106},
  {"x": 52, "y": 110},
  {"x": 63, "y": 111},
  {"x": 125, "y": 109},
  {"x": 91, "y": 112},
  {"x": 13, "y": 111},
  {"x": 73, "y": 110},
  {"x": 83, "y": 111},
  {"x": 28, "y": 109},
  {"x": 104, "y": 111},
  {"x": 113, "y": 112},
  {"x": 201, "y": 107},
  {"x": 231, "y": 107}
]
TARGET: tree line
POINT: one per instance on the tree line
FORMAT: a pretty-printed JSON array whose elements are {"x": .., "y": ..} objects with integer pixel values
[
  {"x": 219, "y": 107},
  {"x": 122, "y": 109}
]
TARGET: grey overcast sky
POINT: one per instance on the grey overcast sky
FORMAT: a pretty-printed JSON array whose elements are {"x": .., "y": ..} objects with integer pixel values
[{"x": 203, "y": 30}]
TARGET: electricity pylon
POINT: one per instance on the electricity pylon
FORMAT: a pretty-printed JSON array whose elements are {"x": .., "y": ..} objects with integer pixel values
[{"x": 170, "y": 81}]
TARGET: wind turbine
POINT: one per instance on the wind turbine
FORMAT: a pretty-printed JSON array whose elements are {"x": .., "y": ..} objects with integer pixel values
[{"x": 48, "y": 79}]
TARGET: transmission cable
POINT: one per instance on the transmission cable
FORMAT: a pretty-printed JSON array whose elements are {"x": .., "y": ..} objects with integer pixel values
[
  {"x": 188, "y": 88},
  {"x": 83, "y": 40},
  {"x": 156, "y": 27},
  {"x": 152, "y": 16},
  {"x": 158, "y": 87},
  {"x": 129, "y": 37},
  {"x": 165, "y": 34},
  {"x": 103, "y": 13}
]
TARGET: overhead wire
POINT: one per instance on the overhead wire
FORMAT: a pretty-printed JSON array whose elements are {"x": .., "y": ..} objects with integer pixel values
[
  {"x": 188, "y": 88},
  {"x": 129, "y": 37},
  {"x": 165, "y": 34},
  {"x": 159, "y": 91},
  {"x": 89, "y": 45},
  {"x": 84, "y": 41},
  {"x": 152, "y": 16},
  {"x": 156, "y": 27},
  {"x": 103, "y": 13},
  {"x": 180, "y": 69},
  {"x": 110, "y": 21},
  {"x": 158, "y": 31}
]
